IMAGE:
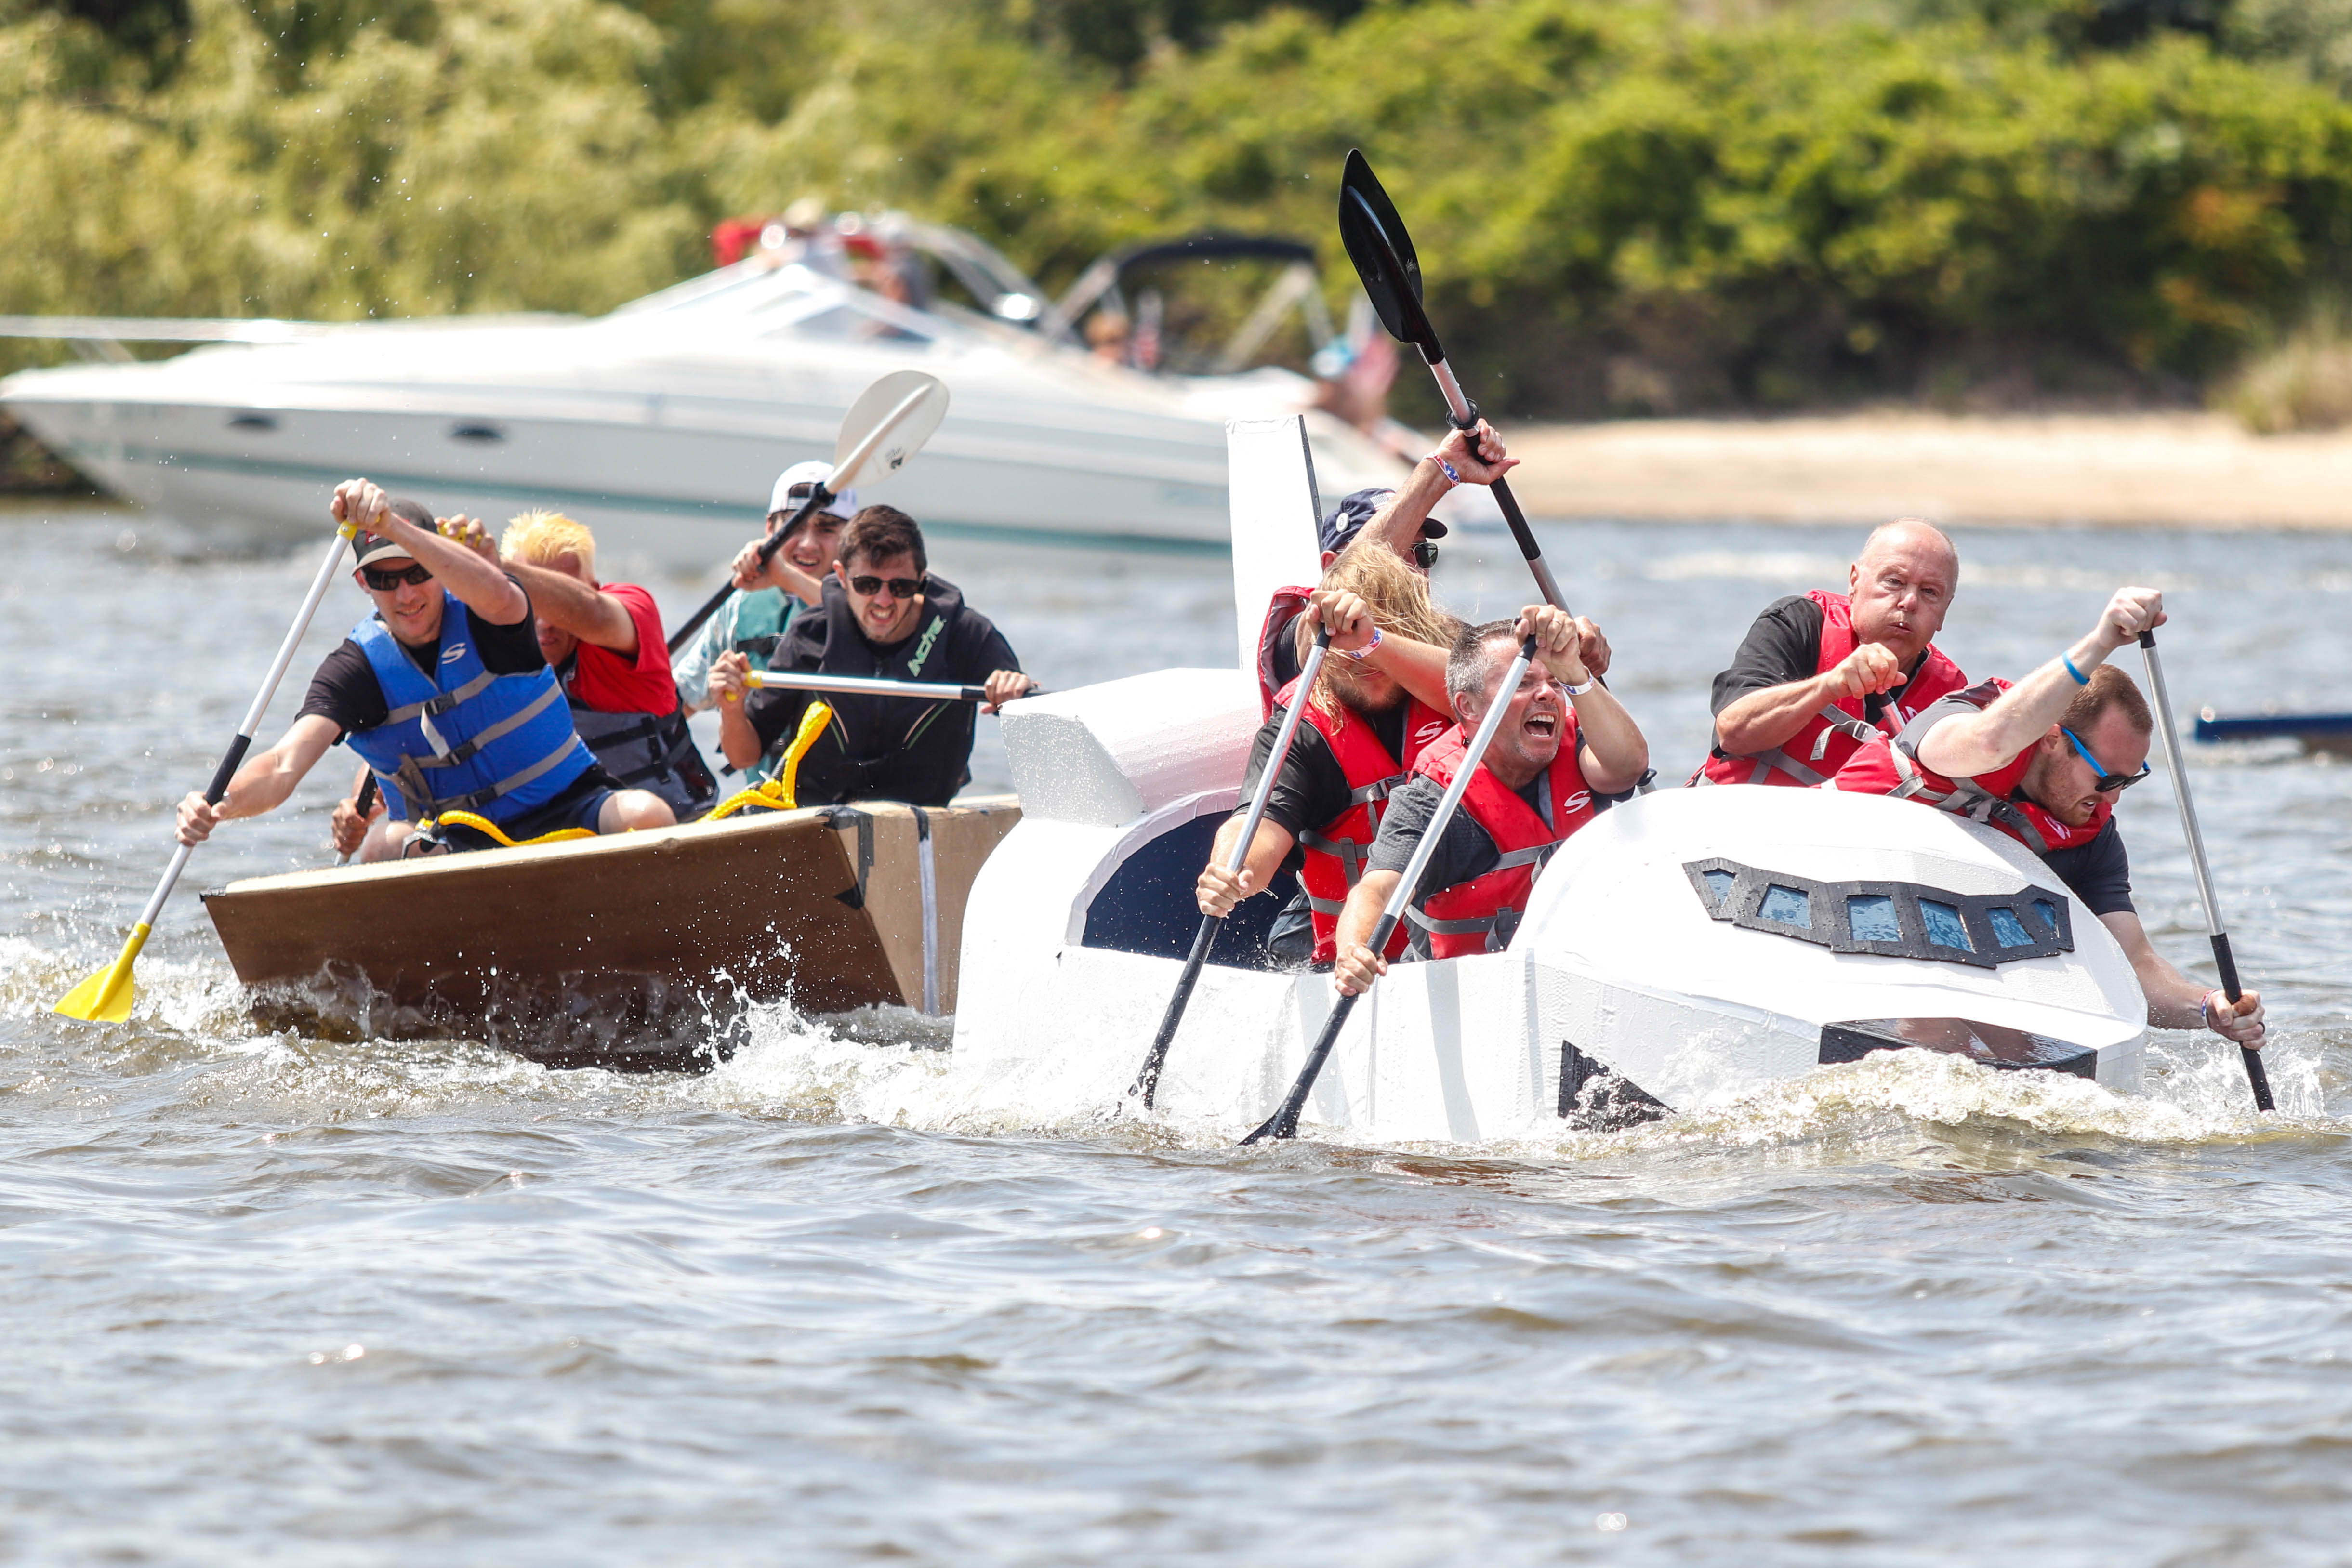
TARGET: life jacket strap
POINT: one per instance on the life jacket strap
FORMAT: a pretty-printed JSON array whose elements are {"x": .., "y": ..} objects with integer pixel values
[
  {"x": 421, "y": 799},
  {"x": 442, "y": 701},
  {"x": 1352, "y": 855},
  {"x": 464, "y": 751},
  {"x": 1837, "y": 721}
]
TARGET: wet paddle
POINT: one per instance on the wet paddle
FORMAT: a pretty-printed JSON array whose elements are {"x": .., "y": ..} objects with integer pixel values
[
  {"x": 887, "y": 425},
  {"x": 106, "y": 996},
  {"x": 869, "y": 686},
  {"x": 2222, "y": 957},
  {"x": 1147, "y": 1082},
  {"x": 366, "y": 799},
  {"x": 1391, "y": 270},
  {"x": 1284, "y": 1123}
]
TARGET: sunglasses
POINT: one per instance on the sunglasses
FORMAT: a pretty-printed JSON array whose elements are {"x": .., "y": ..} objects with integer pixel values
[
  {"x": 385, "y": 581},
  {"x": 900, "y": 587},
  {"x": 2107, "y": 781},
  {"x": 1424, "y": 554}
]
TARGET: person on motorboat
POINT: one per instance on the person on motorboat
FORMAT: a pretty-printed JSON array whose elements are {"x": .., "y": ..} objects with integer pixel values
[
  {"x": 769, "y": 595},
  {"x": 2044, "y": 760},
  {"x": 444, "y": 692},
  {"x": 1822, "y": 674},
  {"x": 885, "y": 614},
  {"x": 1564, "y": 738},
  {"x": 1379, "y": 700},
  {"x": 605, "y": 642}
]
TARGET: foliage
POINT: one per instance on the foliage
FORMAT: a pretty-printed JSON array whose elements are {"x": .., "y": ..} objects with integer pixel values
[
  {"x": 2304, "y": 382},
  {"x": 1619, "y": 206}
]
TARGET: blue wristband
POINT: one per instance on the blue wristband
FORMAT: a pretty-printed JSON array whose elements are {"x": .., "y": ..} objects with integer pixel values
[{"x": 2080, "y": 678}]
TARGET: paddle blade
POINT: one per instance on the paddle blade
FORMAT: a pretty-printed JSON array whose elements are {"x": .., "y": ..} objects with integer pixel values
[
  {"x": 1384, "y": 259},
  {"x": 106, "y": 997},
  {"x": 888, "y": 424}
]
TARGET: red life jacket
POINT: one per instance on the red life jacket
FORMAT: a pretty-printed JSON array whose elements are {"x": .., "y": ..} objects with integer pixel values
[
  {"x": 1481, "y": 915},
  {"x": 1819, "y": 750},
  {"x": 1333, "y": 858},
  {"x": 1892, "y": 767},
  {"x": 1283, "y": 608}
]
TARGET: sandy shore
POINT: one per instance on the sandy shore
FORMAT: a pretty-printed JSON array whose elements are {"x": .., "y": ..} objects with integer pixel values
[{"x": 2114, "y": 470}]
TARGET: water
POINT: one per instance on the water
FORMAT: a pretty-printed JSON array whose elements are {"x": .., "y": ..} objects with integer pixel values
[{"x": 279, "y": 1300}]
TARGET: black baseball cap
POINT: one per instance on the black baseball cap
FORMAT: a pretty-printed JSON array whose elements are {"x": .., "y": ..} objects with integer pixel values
[
  {"x": 1348, "y": 520},
  {"x": 367, "y": 549}
]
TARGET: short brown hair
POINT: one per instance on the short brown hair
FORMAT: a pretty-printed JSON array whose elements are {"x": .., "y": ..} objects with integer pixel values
[
  {"x": 1466, "y": 661},
  {"x": 877, "y": 533},
  {"x": 2110, "y": 688}
]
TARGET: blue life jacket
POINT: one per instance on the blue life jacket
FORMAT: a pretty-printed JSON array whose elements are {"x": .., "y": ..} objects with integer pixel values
[{"x": 494, "y": 745}]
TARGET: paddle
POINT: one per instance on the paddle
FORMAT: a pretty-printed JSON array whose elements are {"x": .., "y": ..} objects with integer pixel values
[
  {"x": 869, "y": 686},
  {"x": 2222, "y": 957},
  {"x": 366, "y": 799},
  {"x": 1147, "y": 1082},
  {"x": 1284, "y": 1123},
  {"x": 1391, "y": 270},
  {"x": 106, "y": 996},
  {"x": 902, "y": 409}
]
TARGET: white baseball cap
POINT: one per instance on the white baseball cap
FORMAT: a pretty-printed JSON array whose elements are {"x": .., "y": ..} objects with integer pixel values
[{"x": 804, "y": 478}]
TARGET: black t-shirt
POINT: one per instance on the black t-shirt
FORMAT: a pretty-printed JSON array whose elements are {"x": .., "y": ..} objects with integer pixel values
[
  {"x": 345, "y": 688},
  {"x": 2099, "y": 873},
  {"x": 1286, "y": 661},
  {"x": 1784, "y": 645},
  {"x": 1312, "y": 787},
  {"x": 1466, "y": 852}
]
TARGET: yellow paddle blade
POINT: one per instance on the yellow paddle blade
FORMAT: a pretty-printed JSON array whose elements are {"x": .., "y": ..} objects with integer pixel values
[
  {"x": 812, "y": 725},
  {"x": 105, "y": 996}
]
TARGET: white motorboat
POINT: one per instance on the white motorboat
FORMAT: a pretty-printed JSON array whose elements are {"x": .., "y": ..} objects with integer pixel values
[
  {"x": 663, "y": 423},
  {"x": 1686, "y": 948}
]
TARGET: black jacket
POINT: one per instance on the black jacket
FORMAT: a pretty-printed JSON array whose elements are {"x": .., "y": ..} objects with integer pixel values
[{"x": 886, "y": 748}]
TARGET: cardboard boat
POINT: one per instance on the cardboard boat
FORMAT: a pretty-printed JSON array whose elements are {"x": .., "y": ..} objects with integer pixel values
[{"x": 636, "y": 951}]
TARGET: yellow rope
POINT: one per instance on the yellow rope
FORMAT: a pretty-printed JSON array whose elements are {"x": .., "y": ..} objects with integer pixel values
[
  {"x": 484, "y": 825},
  {"x": 776, "y": 794}
]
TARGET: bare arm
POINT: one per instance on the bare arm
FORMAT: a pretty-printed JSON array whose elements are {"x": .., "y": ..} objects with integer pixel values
[
  {"x": 1219, "y": 890},
  {"x": 1398, "y": 524},
  {"x": 266, "y": 779},
  {"x": 481, "y": 586},
  {"x": 748, "y": 575},
  {"x": 1614, "y": 754},
  {"x": 1418, "y": 667},
  {"x": 1968, "y": 744},
  {"x": 1358, "y": 964},
  {"x": 1762, "y": 720},
  {"x": 588, "y": 613},
  {"x": 2174, "y": 1000}
]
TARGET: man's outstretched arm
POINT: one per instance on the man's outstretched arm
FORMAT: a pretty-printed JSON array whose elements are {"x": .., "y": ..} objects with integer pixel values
[{"x": 1968, "y": 744}]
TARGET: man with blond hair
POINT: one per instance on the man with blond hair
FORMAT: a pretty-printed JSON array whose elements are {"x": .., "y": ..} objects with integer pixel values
[{"x": 604, "y": 641}]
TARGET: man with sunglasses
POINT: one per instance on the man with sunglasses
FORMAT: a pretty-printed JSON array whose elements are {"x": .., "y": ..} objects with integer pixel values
[
  {"x": 768, "y": 596},
  {"x": 884, "y": 615},
  {"x": 2044, "y": 760},
  {"x": 445, "y": 694}
]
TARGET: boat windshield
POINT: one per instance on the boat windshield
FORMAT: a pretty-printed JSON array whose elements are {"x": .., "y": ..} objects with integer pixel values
[{"x": 765, "y": 301}]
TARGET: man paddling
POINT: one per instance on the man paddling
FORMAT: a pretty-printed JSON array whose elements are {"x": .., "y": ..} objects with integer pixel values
[
  {"x": 447, "y": 657},
  {"x": 884, "y": 615},
  {"x": 2044, "y": 760},
  {"x": 1822, "y": 674},
  {"x": 769, "y": 595},
  {"x": 1563, "y": 737},
  {"x": 605, "y": 644}
]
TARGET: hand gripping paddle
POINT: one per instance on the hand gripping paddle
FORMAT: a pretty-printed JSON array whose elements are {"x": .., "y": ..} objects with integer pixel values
[
  {"x": 1284, "y": 1123},
  {"x": 883, "y": 429}
]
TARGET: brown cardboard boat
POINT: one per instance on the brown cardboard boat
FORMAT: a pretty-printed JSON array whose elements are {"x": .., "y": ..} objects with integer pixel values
[{"x": 636, "y": 951}]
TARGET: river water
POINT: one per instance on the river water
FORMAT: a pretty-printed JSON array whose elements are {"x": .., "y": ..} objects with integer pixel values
[{"x": 282, "y": 1299}]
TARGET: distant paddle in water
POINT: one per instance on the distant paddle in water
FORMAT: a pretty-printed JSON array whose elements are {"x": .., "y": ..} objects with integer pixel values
[
  {"x": 888, "y": 424},
  {"x": 106, "y": 996},
  {"x": 1284, "y": 1123},
  {"x": 2222, "y": 957}
]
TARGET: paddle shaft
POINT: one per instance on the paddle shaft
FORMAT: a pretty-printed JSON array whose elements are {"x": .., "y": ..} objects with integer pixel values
[
  {"x": 823, "y": 496},
  {"x": 1284, "y": 1123},
  {"x": 864, "y": 685},
  {"x": 1147, "y": 1082},
  {"x": 2224, "y": 959},
  {"x": 1465, "y": 415}
]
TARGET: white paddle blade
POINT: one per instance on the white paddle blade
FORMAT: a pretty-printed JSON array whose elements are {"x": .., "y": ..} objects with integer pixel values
[{"x": 886, "y": 426}]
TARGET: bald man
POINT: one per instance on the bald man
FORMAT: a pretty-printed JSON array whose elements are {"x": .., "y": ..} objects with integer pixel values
[{"x": 1822, "y": 674}]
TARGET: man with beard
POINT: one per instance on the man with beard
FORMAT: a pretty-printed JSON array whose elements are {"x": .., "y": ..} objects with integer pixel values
[
  {"x": 2044, "y": 762},
  {"x": 1821, "y": 672},
  {"x": 1562, "y": 737}
]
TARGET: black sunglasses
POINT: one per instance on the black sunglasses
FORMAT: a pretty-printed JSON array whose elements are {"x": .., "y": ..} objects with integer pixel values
[
  {"x": 385, "y": 581},
  {"x": 900, "y": 587},
  {"x": 1424, "y": 554},
  {"x": 2107, "y": 781}
]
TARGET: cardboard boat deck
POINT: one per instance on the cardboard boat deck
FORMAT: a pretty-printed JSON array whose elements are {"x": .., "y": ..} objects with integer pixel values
[{"x": 636, "y": 951}]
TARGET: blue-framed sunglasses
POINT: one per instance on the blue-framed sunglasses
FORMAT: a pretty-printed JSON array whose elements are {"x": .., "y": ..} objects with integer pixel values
[{"x": 2107, "y": 781}]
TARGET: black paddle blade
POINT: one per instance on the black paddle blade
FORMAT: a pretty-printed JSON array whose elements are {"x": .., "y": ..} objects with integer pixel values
[{"x": 1384, "y": 254}]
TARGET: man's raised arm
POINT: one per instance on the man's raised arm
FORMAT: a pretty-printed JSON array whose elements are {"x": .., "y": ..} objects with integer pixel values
[
  {"x": 480, "y": 585},
  {"x": 1970, "y": 744}
]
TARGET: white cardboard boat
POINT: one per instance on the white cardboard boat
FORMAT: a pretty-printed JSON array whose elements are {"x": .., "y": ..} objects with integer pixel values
[{"x": 1687, "y": 947}]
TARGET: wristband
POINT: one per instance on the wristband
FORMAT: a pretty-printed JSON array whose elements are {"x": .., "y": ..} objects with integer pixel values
[
  {"x": 2080, "y": 678},
  {"x": 1591, "y": 681},
  {"x": 1452, "y": 477},
  {"x": 1368, "y": 650}
]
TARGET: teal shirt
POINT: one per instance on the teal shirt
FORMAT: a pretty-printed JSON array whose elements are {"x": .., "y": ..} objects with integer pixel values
[{"x": 750, "y": 623}]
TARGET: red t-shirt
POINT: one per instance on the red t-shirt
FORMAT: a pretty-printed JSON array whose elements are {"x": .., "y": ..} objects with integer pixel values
[{"x": 609, "y": 682}]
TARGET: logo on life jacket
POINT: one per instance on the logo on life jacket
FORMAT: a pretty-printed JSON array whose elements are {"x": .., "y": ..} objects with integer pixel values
[
  {"x": 1577, "y": 802},
  {"x": 1429, "y": 732},
  {"x": 453, "y": 653},
  {"x": 923, "y": 648}
]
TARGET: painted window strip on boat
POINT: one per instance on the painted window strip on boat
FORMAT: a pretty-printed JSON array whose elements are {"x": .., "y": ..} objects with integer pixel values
[{"x": 1892, "y": 919}]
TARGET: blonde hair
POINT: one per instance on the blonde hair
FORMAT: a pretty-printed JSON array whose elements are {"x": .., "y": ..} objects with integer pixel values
[
  {"x": 1399, "y": 598},
  {"x": 536, "y": 538}
]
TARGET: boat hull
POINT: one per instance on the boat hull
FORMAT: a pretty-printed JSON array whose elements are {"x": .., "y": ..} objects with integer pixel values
[{"x": 638, "y": 951}]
